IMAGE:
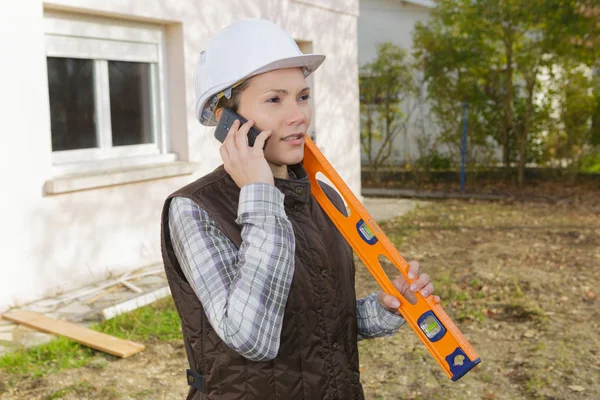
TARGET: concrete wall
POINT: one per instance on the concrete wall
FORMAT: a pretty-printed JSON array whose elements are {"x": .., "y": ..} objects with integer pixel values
[{"x": 53, "y": 243}]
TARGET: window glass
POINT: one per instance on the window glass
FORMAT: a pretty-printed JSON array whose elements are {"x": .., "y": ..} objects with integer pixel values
[
  {"x": 72, "y": 111},
  {"x": 130, "y": 103}
]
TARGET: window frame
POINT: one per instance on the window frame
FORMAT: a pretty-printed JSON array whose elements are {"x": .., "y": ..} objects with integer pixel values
[{"x": 102, "y": 40}]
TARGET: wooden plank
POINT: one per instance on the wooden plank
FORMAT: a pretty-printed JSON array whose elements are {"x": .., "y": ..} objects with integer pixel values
[
  {"x": 96, "y": 340},
  {"x": 131, "y": 286}
]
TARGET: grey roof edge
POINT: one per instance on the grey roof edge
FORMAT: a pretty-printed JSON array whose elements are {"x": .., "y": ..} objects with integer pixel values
[{"x": 423, "y": 3}]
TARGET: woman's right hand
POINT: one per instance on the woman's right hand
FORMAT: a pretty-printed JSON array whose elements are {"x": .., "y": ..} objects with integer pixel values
[{"x": 243, "y": 163}]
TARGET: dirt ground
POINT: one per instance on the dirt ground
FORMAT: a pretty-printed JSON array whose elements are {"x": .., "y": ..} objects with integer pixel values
[{"x": 519, "y": 279}]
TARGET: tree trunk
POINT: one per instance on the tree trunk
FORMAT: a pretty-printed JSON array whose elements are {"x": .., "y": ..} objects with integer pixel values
[
  {"x": 405, "y": 140},
  {"x": 508, "y": 99},
  {"x": 508, "y": 112},
  {"x": 375, "y": 175},
  {"x": 370, "y": 135},
  {"x": 522, "y": 157},
  {"x": 505, "y": 149},
  {"x": 530, "y": 82}
]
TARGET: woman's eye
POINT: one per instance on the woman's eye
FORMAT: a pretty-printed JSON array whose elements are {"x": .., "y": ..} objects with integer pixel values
[
  {"x": 273, "y": 100},
  {"x": 304, "y": 97}
]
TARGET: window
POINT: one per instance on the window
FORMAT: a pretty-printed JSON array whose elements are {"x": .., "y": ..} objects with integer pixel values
[{"x": 106, "y": 82}]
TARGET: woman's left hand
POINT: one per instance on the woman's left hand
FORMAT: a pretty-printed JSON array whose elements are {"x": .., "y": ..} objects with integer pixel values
[{"x": 421, "y": 283}]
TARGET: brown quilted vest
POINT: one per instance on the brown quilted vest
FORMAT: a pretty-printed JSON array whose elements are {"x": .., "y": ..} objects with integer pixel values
[{"x": 318, "y": 354}]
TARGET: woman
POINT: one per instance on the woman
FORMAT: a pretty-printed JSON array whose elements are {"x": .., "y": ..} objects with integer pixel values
[{"x": 262, "y": 280}]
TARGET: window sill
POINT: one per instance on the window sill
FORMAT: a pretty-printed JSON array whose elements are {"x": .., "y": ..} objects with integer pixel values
[{"x": 113, "y": 177}]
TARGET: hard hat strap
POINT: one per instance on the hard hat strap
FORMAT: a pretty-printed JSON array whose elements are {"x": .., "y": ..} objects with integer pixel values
[{"x": 209, "y": 113}]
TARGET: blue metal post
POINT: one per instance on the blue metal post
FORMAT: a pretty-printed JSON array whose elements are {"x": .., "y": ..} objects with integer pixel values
[{"x": 464, "y": 148}]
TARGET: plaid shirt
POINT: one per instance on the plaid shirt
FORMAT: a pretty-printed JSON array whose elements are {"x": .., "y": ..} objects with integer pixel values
[{"x": 244, "y": 292}]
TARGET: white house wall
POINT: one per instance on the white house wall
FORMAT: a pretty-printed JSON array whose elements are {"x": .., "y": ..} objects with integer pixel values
[{"x": 56, "y": 242}]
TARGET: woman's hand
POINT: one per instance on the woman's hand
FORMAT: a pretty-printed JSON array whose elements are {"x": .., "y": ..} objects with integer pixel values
[
  {"x": 246, "y": 164},
  {"x": 421, "y": 283}
]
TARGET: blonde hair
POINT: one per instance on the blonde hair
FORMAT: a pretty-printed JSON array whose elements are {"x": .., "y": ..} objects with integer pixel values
[{"x": 233, "y": 101}]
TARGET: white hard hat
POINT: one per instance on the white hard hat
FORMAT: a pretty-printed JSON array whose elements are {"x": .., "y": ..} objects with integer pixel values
[{"x": 240, "y": 51}]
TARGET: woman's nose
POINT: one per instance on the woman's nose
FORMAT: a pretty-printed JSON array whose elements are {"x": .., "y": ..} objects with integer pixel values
[{"x": 296, "y": 114}]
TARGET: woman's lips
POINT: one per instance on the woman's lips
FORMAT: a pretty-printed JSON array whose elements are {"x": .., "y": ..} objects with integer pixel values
[{"x": 294, "y": 139}]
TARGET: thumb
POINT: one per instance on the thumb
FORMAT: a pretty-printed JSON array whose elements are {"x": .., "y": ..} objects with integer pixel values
[
  {"x": 260, "y": 141},
  {"x": 389, "y": 301}
]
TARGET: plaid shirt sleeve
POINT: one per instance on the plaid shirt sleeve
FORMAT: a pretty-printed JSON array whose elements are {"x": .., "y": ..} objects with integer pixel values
[
  {"x": 374, "y": 320},
  {"x": 243, "y": 292}
]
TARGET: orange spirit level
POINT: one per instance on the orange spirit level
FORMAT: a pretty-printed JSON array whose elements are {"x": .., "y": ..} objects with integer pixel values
[{"x": 428, "y": 319}]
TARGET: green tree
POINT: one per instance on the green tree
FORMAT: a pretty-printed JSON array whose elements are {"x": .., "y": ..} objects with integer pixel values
[
  {"x": 570, "y": 138},
  {"x": 387, "y": 93},
  {"x": 595, "y": 129},
  {"x": 493, "y": 54},
  {"x": 456, "y": 68},
  {"x": 573, "y": 29}
]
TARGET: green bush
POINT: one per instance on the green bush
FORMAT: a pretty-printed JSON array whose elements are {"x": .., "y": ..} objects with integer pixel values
[
  {"x": 591, "y": 163},
  {"x": 435, "y": 161}
]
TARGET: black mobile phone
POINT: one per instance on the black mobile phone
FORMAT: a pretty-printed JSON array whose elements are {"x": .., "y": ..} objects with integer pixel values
[{"x": 228, "y": 117}]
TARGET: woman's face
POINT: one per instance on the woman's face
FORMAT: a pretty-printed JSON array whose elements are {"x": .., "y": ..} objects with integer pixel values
[{"x": 278, "y": 101}]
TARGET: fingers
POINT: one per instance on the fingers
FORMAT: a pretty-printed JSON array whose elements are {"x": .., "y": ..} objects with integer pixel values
[
  {"x": 420, "y": 283},
  {"x": 413, "y": 269},
  {"x": 238, "y": 136},
  {"x": 242, "y": 163},
  {"x": 241, "y": 136},
  {"x": 229, "y": 142},
  {"x": 400, "y": 283},
  {"x": 423, "y": 284},
  {"x": 236, "y": 142},
  {"x": 260, "y": 141},
  {"x": 232, "y": 130},
  {"x": 427, "y": 290},
  {"x": 388, "y": 301}
]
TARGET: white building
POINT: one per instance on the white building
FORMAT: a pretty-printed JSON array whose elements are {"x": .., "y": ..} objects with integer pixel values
[
  {"x": 98, "y": 126},
  {"x": 389, "y": 20},
  {"x": 393, "y": 21}
]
